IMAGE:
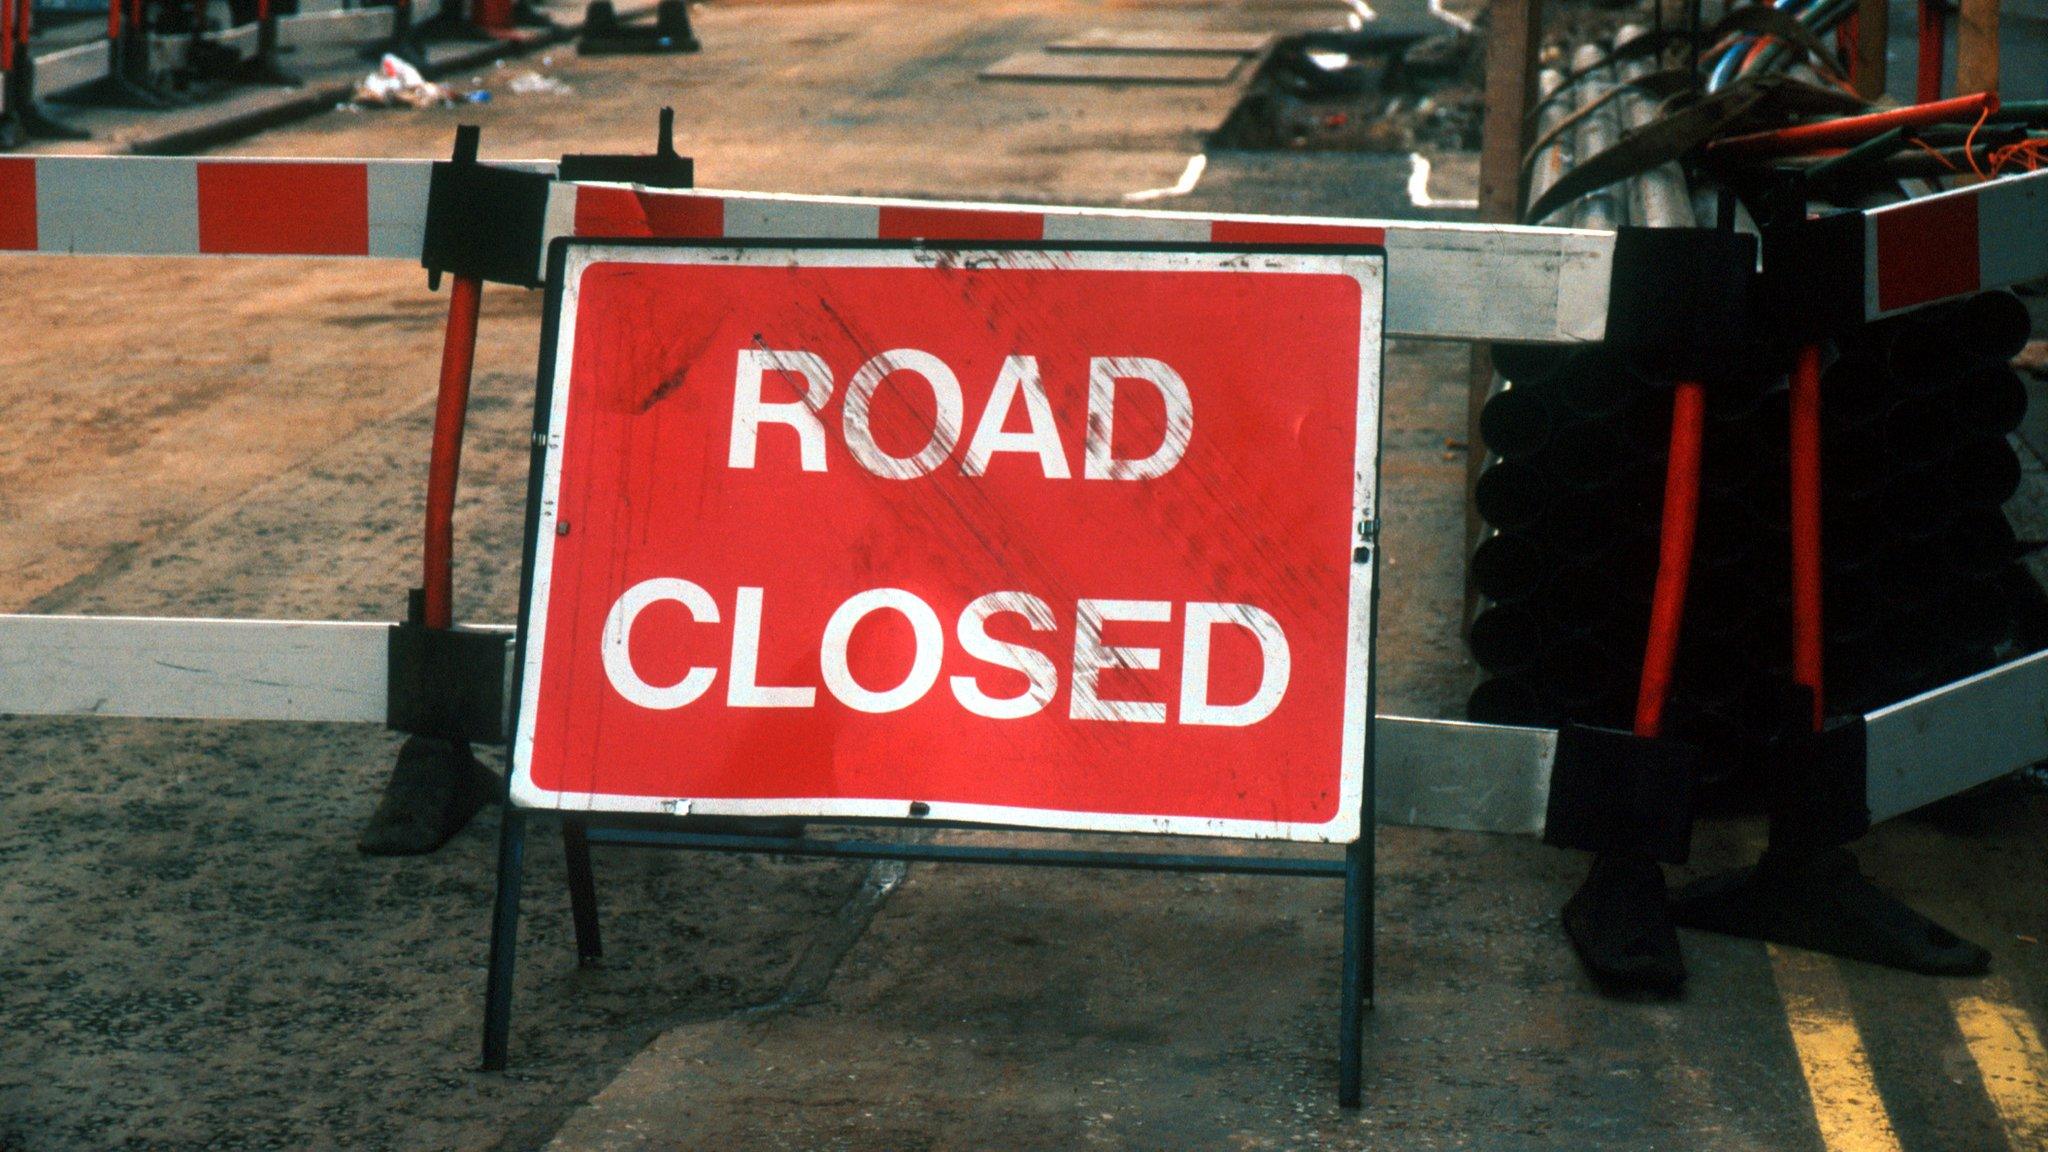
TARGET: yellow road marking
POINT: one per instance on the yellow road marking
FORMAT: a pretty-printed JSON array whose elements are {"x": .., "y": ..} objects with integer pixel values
[
  {"x": 1846, "y": 1103},
  {"x": 2011, "y": 1061}
]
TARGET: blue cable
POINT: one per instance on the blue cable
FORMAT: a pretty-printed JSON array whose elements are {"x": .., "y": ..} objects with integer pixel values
[{"x": 1726, "y": 67}]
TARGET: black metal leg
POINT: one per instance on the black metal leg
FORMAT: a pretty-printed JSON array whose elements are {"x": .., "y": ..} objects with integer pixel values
[
  {"x": 1357, "y": 993},
  {"x": 582, "y": 892},
  {"x": 504, "y": 938},
  {"x": 1360, "y": 860}
]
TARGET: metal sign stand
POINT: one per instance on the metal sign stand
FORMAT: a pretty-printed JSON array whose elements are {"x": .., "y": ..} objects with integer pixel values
[
  {"x": 1355, "y": 868},
  {"x": 582, "y": 830}
]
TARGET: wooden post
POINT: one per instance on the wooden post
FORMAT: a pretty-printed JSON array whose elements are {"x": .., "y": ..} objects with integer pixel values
[
  {"x": 1873, "y": 29},
  {"x": 1933, "y": 29},
  {"x": 1977, "y": 47},
  {"x": 1514, "y": 34}
]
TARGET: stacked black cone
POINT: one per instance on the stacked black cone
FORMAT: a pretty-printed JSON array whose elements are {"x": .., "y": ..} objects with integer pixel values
[{"x": 1920, "y": 564}]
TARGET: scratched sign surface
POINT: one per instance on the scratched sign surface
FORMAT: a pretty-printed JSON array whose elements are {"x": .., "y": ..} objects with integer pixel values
[{"x": 1069, "y": 539}]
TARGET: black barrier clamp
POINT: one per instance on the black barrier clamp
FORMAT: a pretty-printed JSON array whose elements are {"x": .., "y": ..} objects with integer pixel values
[
  {"x": 1813, "y": 273},
  {"x": 491, "y": 222},
  {"x": 664, "y": 168},
  {"x": 1818, "y": 785},
  {"x": 446, "y": 683},
  {"x": 1683, "y": 302},
  {"x": 1615, "y": 791},
  {"x": 484, "y": 221}
]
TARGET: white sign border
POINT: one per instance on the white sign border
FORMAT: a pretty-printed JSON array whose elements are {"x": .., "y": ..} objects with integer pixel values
[{"x": 1367, "y": 268}]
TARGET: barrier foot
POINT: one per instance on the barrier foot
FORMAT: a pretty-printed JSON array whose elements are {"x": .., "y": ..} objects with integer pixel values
[
  {"x": 604, "y": 34},
  {"x": 1627, "y": 799},
  {"x": 25, "y": 113},
  {"x": 407, "y": 46},
  {"x": 404, "y": 42},
  {"x": 127, "y": 82},
  {"x": 1822, "y": 902},
  {"x": 1619, "y": 923},
  {"x": 582, "y": 892},
  {"x": 504, "y": 938},
  {"x": 261, "y": 71},
  {"x": 263, "y": 68},
  {"x": 434, "y": 790}
]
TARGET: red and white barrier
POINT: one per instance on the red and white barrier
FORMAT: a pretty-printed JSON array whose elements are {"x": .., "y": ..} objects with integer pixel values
[
  {"x": 147, "y": 206},
  {"x": 1955, "y": 243},
  {"x": 1446, "y": 281}
]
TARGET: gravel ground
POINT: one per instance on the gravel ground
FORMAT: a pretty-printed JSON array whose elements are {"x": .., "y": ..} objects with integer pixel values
[{"x": 192, "y": 954}]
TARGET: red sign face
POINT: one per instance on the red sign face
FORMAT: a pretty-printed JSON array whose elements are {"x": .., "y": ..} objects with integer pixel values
[{"x": 1062, "y": 539}]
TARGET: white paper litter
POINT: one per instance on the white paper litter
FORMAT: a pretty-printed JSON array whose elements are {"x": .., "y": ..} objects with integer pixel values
[
  {"x": 536, "y": 84},
  {"x": 395, "y": 82}
]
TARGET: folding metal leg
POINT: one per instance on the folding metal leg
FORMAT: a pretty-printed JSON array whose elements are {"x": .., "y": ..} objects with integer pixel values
[
  {"x": 582, "y": 892},
  {"x": 1357, "y": 993},
  {"x": 504, "y": 938}
]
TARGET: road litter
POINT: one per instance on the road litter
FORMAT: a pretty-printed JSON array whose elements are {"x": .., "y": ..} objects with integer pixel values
[
  {"x": 531, "y": 83},
  {"x": 396, "y": 82},
  {"x": 1197, "y": 164}
]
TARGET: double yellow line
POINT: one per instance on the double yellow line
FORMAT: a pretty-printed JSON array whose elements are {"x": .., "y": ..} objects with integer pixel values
[{"x": 1851, "y": 1112}]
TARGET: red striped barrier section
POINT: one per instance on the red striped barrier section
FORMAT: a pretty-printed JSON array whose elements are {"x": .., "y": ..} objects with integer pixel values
[
  {"x": 1955, "y": 243},
  {"x": 1446, "y": 281},
  {"x": 148, "y": 206},
  {"x": 613, "y": 211}
]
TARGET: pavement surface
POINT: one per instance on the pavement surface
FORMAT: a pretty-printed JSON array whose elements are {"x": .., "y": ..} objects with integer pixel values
[
  {"x": 315, "y": 77},
  {"x": 192, "y": 955}
]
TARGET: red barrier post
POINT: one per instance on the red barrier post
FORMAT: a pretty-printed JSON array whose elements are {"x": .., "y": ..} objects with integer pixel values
[
  {"x": 458, "y": 357},
  {"x": 1806, "y": 531},
  {"x": 1674, "y": 555},
  {"x": 494, "y": 16},
  {"x": 1927, "y": 81}
]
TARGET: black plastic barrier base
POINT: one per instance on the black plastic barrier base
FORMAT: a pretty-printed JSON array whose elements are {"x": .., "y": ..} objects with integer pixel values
[
  {"x": 604, "y": 34},
  {"x": 436, "y": 787},
  {"x": 1619, "y": 923},
  {"x": 1823, "y": 903},
  {"x": 21, "y": 118}
]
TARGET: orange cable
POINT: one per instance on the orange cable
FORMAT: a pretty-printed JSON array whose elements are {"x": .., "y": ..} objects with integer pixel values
[{"x": 1970, "y": 141}]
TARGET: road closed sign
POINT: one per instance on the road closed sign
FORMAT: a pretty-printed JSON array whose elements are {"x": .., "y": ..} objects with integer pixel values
[{"x": 1039, "y": 537}]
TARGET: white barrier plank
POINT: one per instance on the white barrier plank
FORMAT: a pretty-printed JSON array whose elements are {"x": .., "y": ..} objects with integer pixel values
[
  {"x": 192, "y": 669},
  {"x": 72, "y": 67},
  {"x": 1957, "y": 737},
  {"x": 1436, "y": 773},
  {"x": 1454, "y": 774},
  {"x": 1430, "y": 773},
  {"x": 1444, "y": 281},
  {"x": 336, "y": 27},
  {"x": 1955, "y": 243}
]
